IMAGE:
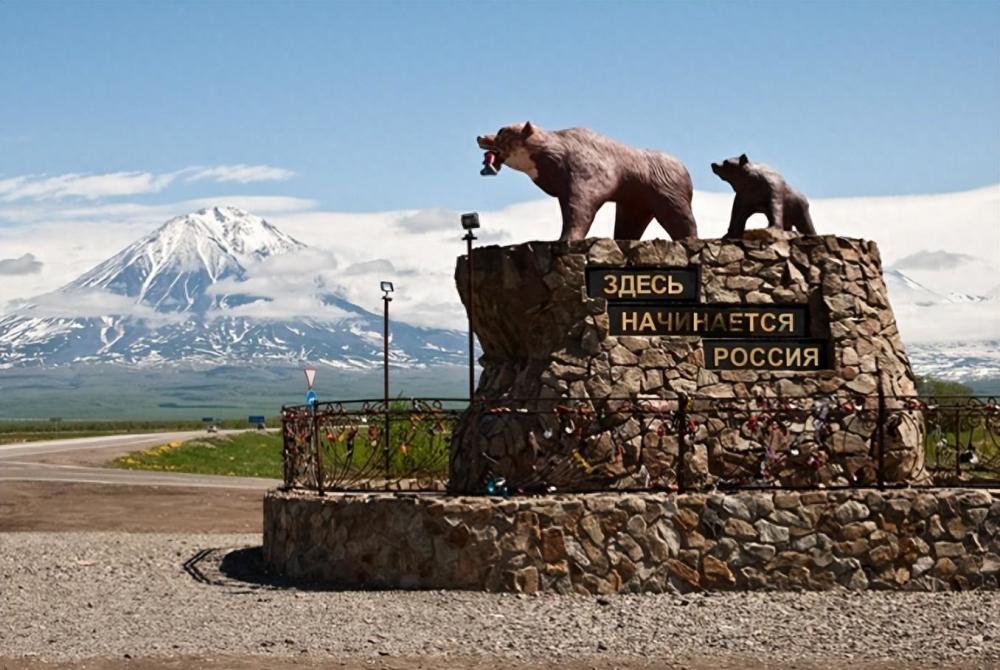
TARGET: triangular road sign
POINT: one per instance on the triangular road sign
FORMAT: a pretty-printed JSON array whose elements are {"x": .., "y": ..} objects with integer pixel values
[{"x": 310, "y": 377}]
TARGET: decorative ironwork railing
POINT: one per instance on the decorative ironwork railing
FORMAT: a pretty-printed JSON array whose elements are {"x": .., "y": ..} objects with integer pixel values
[{"x": 681, "y": 443}]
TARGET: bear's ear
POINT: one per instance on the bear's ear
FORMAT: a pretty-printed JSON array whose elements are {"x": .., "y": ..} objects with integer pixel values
[
  {"x": 743, "y": 159},
  {"x": 528, "y": 129}
]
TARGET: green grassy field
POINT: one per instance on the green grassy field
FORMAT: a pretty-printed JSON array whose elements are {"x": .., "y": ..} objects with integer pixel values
[
  {"x": 417, "y": 451},
  {"x": 12, "y": 432},
  {"x": 249, "y": 454}
]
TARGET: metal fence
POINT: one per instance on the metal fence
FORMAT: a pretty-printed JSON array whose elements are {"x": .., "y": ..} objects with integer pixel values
[{"x": 685, "y": 443}]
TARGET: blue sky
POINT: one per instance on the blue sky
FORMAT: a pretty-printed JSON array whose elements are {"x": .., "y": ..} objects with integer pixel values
[{"x": 375, "y": 106}]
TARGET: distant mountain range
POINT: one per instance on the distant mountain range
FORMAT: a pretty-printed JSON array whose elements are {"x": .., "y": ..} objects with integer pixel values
[
  {"x": 180, "y": 296},
  {"x": 969, "y": 361},
  {"x": 184, "y": 295},
  {"x": 904, "y": 289}
]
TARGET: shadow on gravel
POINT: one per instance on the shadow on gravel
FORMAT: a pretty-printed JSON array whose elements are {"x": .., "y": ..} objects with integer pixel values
[{"x": 244, "y": 567}]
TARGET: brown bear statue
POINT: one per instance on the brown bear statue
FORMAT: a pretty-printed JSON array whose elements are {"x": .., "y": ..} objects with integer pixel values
[
  {"x": 584, "y": 170},
  {"x": 761, "y": 190}
]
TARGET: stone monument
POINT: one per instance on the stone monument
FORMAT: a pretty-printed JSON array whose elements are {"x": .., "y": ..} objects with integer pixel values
[
  {"x": 590, "y": 346},
  {"x": 655, "y": 375}
]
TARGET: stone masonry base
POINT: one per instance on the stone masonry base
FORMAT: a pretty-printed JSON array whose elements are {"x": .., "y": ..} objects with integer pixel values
[{"x": 612, "y": 542}]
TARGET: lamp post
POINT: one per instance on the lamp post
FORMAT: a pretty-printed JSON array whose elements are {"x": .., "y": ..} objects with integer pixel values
[
  {"x": 387, "y": 289},
  {"x": 470, "y": 222}
]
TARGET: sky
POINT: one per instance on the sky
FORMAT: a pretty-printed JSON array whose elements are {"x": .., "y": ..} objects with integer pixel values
[
  {"x": 352, "y": 125},
  {"x": 375, "y": 106}
]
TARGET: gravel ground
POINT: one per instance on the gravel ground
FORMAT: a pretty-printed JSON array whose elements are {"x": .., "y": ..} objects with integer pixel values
[{"x": 66, "y": 596}]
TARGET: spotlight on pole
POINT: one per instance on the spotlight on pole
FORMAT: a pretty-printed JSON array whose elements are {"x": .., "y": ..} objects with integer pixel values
[
  {"x": 470, "y": 222},
  {"x": 387, "y": 288}
]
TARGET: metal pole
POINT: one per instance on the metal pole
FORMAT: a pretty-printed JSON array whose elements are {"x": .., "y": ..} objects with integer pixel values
[
  {"x": 385, "y": 380},
  {"x": 469, "y": 237},
  {"x": 316, "y": 449},
  {"x": 958, "y": 444},
  {"x": 285, "y": 456},
  {"x": 881, "y": 429}
]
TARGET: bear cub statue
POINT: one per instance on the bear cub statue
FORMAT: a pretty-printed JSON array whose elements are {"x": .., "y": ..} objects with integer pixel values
[
  {"x": 584, "y": 170},
  {"x": 761, "y": 190}
]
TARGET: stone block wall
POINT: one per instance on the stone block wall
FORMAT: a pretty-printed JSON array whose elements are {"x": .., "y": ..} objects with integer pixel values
[
  {"x": 607, "y": 543},
  {"x": 546, "y": 341}
]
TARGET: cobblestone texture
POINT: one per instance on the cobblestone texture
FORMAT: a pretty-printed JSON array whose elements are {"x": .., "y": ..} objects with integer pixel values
[
  {"x": 609, "y": 543},
  {"x": 544, "y": 340}
]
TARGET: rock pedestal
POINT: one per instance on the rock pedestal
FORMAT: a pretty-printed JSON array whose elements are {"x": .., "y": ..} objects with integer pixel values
[
  {"x": 639, "y": 542},
  {"x": 564, "y": 402}
]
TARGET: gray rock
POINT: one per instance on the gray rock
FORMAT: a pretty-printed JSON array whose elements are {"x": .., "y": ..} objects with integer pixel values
[
  {"x": 771, "y": 533},
  {"x": 852, "y": 510}
]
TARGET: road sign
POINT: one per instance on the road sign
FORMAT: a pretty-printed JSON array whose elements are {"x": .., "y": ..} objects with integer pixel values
[
  {"x": 310, "y": 377},
  {"x": 311, "y": 397},
  {"x": 256, "y": 420},
  {"x": 208, "y": 419}
]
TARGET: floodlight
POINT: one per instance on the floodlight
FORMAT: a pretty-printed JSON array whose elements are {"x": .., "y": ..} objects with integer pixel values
[
  {"x": 470, "y": 221},
  {"x": 386, "y": 287}
]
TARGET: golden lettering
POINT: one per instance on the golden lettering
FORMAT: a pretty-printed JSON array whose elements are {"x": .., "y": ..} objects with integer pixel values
[
  {"x": 647, "y": 322},
  {"x": 719, "y": 355},
  {"x": 810, "y": 357},
  {"x": 627, "y": 287},
  {"x": 738, "y": 356},
  {"x": 770, "y": 357},
  {"x": 793, "y": 357},
  {"x": 642, "y": 284},
  {"x": 787, "y": 319}
]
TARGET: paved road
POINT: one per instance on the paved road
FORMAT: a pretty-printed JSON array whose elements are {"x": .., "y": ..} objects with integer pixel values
[{"x": 25, "y": 462}]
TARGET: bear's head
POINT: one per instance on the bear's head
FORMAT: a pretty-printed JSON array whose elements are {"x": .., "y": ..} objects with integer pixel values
[
  {"x": 510, "y": 146},
  {"x": 731, "y": 168}
]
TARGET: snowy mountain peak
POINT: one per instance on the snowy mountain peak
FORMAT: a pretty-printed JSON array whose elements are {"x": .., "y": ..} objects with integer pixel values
[
  {"x": 244, "y": 235},
  {"x": 162, "y": 300},
  {"x": 170, "y": 268}
]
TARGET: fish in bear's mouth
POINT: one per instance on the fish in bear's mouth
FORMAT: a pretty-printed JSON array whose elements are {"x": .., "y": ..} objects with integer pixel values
[
  {"x": 491, "y": 164},
  {"x": 492, "y": 159}
]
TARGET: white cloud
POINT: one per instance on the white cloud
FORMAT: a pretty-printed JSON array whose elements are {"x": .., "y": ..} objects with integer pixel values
[
  {"x": 933, "y": 260},
  {"x": 148, "y": 215},
  {"x": 945, "y": 321},
  {"x": 380, "y": 266},
  {"x": 241, "y": 173},
  {"x": 948, "y": 273},
  {"x": 117, "y": 184},
  {"x": 22, "y": 265},
  {"x": 89, "y": 303},
  {"x": 429, "y": 220},
  {"x": 418, "y": 249},
  {"x": 290, "y": 286},
  {"x": 89, "y": 187}
]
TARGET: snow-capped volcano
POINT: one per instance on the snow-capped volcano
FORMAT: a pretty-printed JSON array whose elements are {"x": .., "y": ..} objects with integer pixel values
[
  {"x": 171, "y": 268},
  {"x": 180, "y": 295},
  {"x": 903, "y": 289}
]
